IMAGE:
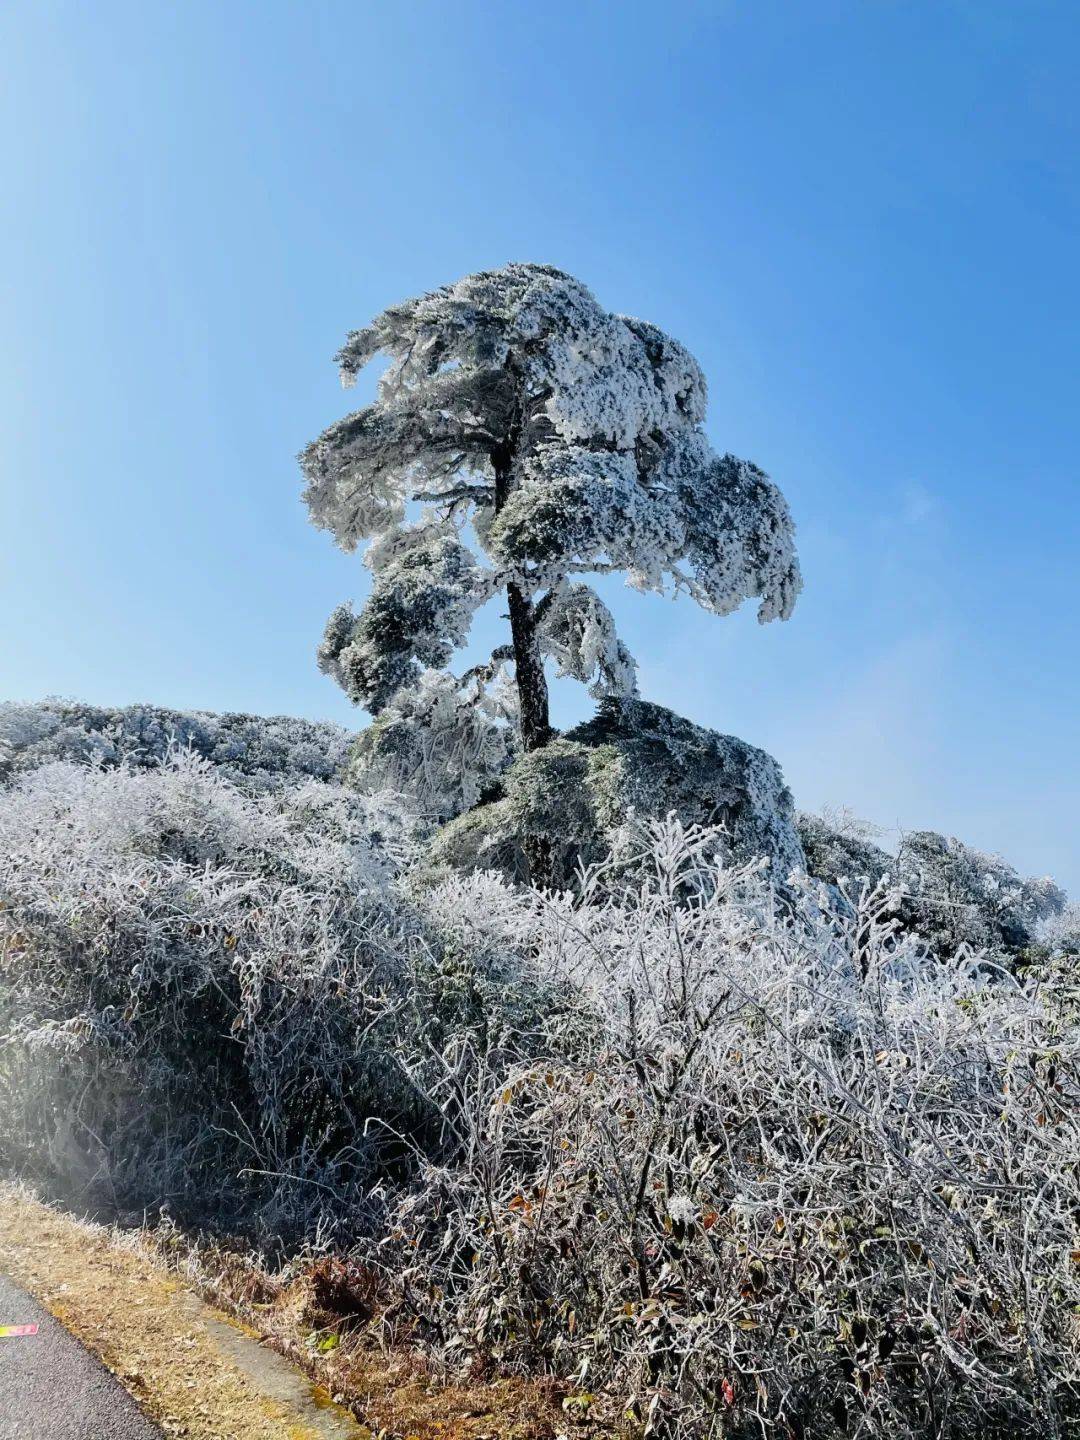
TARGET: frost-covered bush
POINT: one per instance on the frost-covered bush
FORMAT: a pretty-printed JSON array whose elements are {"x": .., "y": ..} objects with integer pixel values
[
  {"x": 964, "y": 896},
  {"x": 201, "y": 991},
  {"x": 790, "y": 1176},
  {"x": 726, "y": 1163},
  {"x": 840, "y": 850},
  {"x": 954, "y": 895},
  {"x": 256, "y": 749},
  {"x": 1060, "y": 933}
]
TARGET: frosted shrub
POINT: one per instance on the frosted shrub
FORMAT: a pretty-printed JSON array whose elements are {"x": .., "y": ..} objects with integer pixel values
[
  {"x": 953, "y": 895},
  {"x": 967, "y": 897},
  {"x": 1060, "y": 933},
  {"x": 726, "y": 1162},
  {"x": 198, "y": 988},
  {"x": 256, "y": 750},
  {"x": 794, "y": 1177}
]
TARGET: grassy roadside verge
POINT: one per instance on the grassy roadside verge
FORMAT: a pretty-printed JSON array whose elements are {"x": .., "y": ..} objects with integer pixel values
[
  {"x": 161, "y": 1342},
  {"x": 137, "y": 1306}
]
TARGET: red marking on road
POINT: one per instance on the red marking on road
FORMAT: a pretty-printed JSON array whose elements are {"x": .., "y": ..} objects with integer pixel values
[{"x": 8, "y": 1331}]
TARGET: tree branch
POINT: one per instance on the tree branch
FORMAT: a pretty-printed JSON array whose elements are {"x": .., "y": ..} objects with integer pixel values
[{"x": 455, "y": 493}]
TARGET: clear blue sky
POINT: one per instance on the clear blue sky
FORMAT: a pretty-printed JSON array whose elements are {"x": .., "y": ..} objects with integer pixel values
[{"x": 861, "y": 217}]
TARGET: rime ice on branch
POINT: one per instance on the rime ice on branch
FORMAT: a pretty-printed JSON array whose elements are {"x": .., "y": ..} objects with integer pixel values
[{"x": 561, "y": 439}]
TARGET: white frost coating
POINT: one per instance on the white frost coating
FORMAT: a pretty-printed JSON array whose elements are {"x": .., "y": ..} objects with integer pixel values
[
  {"x": 578, "y": 510},
  {"x": 578, "y": 632},
  {"x": 568, "y": 436},
  {"x": 427, "y": 585},
  {"x": 255, "y": 751},
  {"x": 442, "y": 742},
  {"x": 954, "y": 895}
]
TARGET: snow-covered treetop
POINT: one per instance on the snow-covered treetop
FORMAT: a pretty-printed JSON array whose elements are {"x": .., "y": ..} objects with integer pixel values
[{"x": 570, "y": 440}]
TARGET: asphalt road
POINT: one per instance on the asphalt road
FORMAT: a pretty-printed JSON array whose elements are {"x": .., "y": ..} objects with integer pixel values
[{"x": 51, "y": 1388}]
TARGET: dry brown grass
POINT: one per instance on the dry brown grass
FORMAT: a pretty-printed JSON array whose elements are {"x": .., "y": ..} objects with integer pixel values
[
  {"x": 127, "y": 1306},
  {"x": 142, "y": 1324},
  {"x": 398, "y": 1391}
]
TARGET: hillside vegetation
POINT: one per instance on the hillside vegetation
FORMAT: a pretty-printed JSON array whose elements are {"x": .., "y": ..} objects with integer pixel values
[{"x": 727, "y": 1152}]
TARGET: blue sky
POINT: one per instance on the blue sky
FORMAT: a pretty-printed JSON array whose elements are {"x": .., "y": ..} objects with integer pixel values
[{"x": 861, "y": 217}]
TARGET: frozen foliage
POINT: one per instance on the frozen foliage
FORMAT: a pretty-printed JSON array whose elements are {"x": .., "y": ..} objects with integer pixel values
[
  {"x": 797, "y": 1177},
  {"x": 426, "y": 587},
  {"x": 840, "y": 853},
  {"x": 186, "y": 974},
  {"x": 569, "y": 804},
  {"x": 252, "y": 748},
  {"x": 726, "y": 1164},
  {"x": 953, "y": 895},
  {"x": 442, "y": 743},
  {"x": 578, "y": 632},
  {"x": 569, "y": 440},
  {"x": 966, "y": 897},
  {"x": 1060, "y": 933}
]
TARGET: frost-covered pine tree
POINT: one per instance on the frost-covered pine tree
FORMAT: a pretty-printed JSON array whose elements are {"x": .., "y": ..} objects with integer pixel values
[{"x": 520, "y": 418}]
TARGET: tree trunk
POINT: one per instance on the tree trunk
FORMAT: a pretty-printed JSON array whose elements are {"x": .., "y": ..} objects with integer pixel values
[
  {"x": 528, "y": 671},
  {"x": 528, "y": 662}
]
